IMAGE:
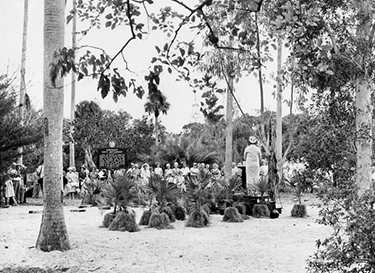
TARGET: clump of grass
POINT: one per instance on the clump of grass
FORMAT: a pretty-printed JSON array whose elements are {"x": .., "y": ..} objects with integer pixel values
[
  {"x": 245, "y": 217},
  {"x": 180, "y": 213},
  {"x": 240, "y": 207},
  {"x": 108, "y": 218},
  {"x": 206, "y": 209},
  {"x": 242, "y": 210},
  {"x": 299, "y": 211},
  {"x": 168, "y": 211},
  {"x": 160, "y": 221},
  {"x": 232, "y": 215},
  {"x": 198, "y": 219},
  {"x": 261, "y": 210},
  {"x": 145, "y": 218},
  {"x": 124, "y": 222}
]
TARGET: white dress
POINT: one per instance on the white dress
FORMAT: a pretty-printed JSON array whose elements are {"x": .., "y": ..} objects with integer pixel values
[
  {"x": 9, "y": 190},
  {"x": 252, "y": 156}
]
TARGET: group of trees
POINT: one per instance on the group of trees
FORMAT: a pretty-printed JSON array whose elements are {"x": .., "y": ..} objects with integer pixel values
[
  {"x": 15, "y": 135},
  {"x": 94, "y": 128}
]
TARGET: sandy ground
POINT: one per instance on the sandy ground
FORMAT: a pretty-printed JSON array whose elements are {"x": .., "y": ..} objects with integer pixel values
[{"x": 256, "y": 245}]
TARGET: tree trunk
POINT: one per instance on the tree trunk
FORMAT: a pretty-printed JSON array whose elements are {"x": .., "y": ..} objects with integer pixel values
[
  {"x": 73, "y": 91},
  {"x": 259, "y": 71},
  {"x": 53, "y": 233},
  {"x": 23, "y": 72},
  {"x": 156, "y": 131},
  {"x": 229, "y": 130},
  {"x": 89, "y": 162},
  {"x": 364, "y": 135},
  {"x": 363, "y": 100},
  {"x": 279, "y": 101}
]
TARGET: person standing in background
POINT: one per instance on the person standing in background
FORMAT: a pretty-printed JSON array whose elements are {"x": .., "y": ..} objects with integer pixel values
[
  {"x": 40, "y": 173},
  {"x": 253, "y": 157},
  {"x": 82, "y": 175},
  {"x": 72, "y": 185},
  {"x": 9, "y": 191}
]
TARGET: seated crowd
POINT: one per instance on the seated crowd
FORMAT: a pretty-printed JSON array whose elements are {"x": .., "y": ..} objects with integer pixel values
[{"x": 85, "y": 184}]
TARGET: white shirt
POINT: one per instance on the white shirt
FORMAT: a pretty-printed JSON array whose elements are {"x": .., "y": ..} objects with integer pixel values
[
  {"x": 40, "y": 171},
  {"x": 158, "y": 171}
]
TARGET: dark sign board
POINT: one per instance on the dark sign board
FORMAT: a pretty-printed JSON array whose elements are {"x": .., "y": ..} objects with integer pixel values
[{"x": 111, "y": 158}]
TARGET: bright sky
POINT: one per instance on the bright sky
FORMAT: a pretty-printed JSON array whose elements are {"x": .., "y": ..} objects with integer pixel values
[{"x": 179, "y": 94}]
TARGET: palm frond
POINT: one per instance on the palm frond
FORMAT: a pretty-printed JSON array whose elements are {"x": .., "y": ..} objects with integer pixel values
[
  {"x": 160, "y": 189},
  {"x": 199, "y": 189},
  {"x": 121, "y": 191},
  {"x": 261, "y": 185}
]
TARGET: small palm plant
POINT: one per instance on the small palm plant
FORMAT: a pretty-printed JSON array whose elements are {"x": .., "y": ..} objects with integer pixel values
[
  {"x": 164, "y": 193},
  {"x": 231, "y": 212},
  {"x": 298, "y": 185},
  {"x": 121, "y": 192},
  {"x": 198, "y": 191},
  {"x": 261, "y": 209},
  {"x": 261, "y": 187}
]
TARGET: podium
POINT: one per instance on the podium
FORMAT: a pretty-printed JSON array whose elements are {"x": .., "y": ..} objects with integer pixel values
[{"x": 243, "y": 175}]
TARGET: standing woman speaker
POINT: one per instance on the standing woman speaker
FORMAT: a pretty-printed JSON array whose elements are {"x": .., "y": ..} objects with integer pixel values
[{"x": 252, "y": 156}]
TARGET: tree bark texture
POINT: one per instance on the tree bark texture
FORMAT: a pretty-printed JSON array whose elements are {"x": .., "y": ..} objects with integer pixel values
[
  {"x": 279, "y": 101},
  {"x": 229, "y": 130},
  {"x": 23, "y": 73},
  {"x": 53, "y": 233},
  {"x": 73, "y": 90},
  {"x": 364, "y": 135},
  {"x": 89, "y": 162},
  {"x": 156, "y": 131},
  {"x": 363, "y": 99}
]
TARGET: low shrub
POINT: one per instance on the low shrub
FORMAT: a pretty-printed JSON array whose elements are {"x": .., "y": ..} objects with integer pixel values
[
  {"x": 108, "y": 218},
  {"x": 124, "y": 222},
  {"x": 160, "y": 221},
  {"x": 206, "y": 209},
  {"x": 261, "y": 210},
  {"x": 350, "y": 246},
  {"x": 232, "y": 215},
  {"x": 168, "y": 211},
  {"x": 299, "y": 211},
  {"x": 145, "y": 218},
  {"x": 198, "y": 218},
  {"x": 240, "y": 207}
]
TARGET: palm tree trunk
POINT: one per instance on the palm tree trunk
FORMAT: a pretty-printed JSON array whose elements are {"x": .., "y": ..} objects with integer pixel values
[
  {"x": 259, "y": 70},
  {"x": 73, "y": 91},
  {"x": 53, "y": 233},
  {"x": 156, "y": 131},
  {"x": 279, "y": 101},
  {"x": 229, "y": 130},
  {"x": 23, "y": 72}
]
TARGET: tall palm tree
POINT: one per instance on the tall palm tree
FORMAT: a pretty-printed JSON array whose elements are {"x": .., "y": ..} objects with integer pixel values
[
  {"x": 53, "y": 234},
  {"x": 23, "y": 72},
  {"x": 73, "y": 90},
  {"x": 156, "y": 103}
]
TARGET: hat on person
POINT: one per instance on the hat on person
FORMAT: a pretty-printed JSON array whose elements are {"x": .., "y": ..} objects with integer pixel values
[
  {"x": 21, "y": 165},
  {"x": 253, "y": 140}
]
